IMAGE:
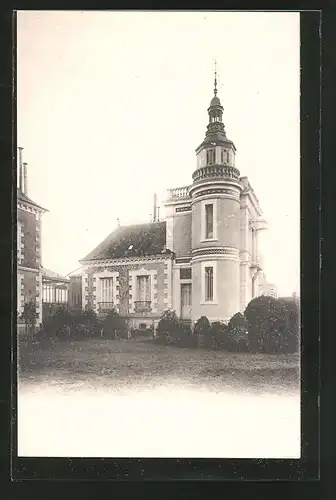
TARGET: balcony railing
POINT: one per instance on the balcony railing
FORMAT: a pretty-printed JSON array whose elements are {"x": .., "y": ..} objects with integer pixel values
[
  {"x": 105, "y": 306},
  {"x": 215, "y": 171},
  {"x": 180, "y": 192},
  {"x": 142, "y": 306}
]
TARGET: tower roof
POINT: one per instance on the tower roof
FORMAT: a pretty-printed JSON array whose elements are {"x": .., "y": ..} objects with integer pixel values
[{"x": 215, "y": 101}]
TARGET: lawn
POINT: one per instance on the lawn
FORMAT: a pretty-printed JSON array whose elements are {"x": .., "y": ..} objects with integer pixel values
[{"x": 109, "y": 362}]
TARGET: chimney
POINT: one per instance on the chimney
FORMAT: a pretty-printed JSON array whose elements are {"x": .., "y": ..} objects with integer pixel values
[
  {"x": 20, "y": 172},
  {"x": 25, "y": 179},
  {"x": 154, "y": 212}
]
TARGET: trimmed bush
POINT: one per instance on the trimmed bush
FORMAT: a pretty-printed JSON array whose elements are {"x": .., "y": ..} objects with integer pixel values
[
  {"x": 202, "y": 326},
  {"x": 273, "y": 324},
  {"x": 201, "y": 330},
  {"x": 217, "y": 336},
  {"x": 186, "y": 339},
  {"x": 169, "y": 324},
  {"x": 172, "y": 331},
  {"x": 237, "y": 335},
  {"x": 290, "y": 327}
]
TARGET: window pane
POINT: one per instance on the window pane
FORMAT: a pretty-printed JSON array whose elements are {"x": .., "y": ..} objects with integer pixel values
[
  {"x": 209, "y": 283},
  {"x": 106, "y": 287},
  {"x": 209, "y": 221},
  {"x": 185, "y": 274},
  {"x": 143, "y": 288}
]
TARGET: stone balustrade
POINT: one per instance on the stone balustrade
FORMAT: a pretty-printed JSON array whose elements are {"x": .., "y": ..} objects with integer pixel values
[
  {"x": 180, "y": 192},
  {"x": 216, "y": 171}
]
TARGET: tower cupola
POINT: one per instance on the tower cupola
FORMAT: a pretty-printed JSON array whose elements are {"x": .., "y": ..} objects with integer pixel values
[{"x": 216, "y": 149}]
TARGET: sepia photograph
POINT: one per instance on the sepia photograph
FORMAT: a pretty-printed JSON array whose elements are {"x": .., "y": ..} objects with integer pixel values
[{"x": 158, "y": 234}]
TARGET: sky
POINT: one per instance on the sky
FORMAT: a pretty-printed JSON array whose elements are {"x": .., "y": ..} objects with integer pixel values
[{"x": 112, "y": 105}]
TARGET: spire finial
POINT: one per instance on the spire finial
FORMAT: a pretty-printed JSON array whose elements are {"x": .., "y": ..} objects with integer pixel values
[{"x": 215, "y": 89}]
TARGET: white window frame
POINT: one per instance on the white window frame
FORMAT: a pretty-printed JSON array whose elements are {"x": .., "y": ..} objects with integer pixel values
[
  {"x": 98, "y": 293},
  {"x": 203, "y": 220},
  {"x": 133, "y": 275},
  {"x": 204, "y": 265},
  {"x": 138, "y": 277}
]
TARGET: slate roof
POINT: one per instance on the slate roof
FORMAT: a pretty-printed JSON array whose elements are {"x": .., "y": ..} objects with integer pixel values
[
  {"x": 132, "y": 241},
  {"x": 23, "y": 197}
]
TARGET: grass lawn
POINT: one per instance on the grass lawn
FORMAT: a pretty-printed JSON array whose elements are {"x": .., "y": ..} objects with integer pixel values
[
  {"x": 106, "y": 361},
  {"x": 155, "y": 401}
]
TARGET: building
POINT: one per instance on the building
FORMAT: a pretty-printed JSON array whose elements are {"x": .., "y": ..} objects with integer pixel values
[
  {"x": 54, "y": 291},
  {"x": 75, "y": 292},
  {"x": 29, "y": 272},
  {"x": 45, "y": 288},
  {"x": 268, "y": 289},
  {"x": 202, "y": 260}
]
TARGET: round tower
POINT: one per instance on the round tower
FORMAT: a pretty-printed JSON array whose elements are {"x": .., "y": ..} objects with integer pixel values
[{"x": 215, "y": 194}]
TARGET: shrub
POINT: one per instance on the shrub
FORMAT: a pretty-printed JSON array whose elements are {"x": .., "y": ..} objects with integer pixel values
[
  {"x": 237, "y": 335},
  {"x": 186, "y": 337},
  {"x": 201, "y": 331},
  {"x": 273, "y": 324},
  {"x": 202, "y": 326},
  {"x": 85, "y": 324},
  {"x": 59, "y": 324},
  {"x": 172, "y": 331},
  {"x": 217, "y": 335},
  {"x": 290, "y": 325},
  {"x": 114, "y": 325},
  {"x": 169, "y": 324},
  {"x": 142, "y": 332}
]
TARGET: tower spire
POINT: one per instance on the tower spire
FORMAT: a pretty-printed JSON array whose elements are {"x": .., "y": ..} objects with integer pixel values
[{"x": 215, "y": 89}]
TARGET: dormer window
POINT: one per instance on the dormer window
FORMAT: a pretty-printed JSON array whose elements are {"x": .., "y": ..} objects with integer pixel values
[{"x": 211, "y": 156}]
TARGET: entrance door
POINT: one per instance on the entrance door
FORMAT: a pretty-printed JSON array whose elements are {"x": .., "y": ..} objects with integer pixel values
[{"x": 186, "y": 301}]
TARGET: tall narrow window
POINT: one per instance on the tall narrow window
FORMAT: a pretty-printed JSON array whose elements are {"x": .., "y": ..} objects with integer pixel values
[
  {"x": 209, "y": 283},
  {"x": 143, "y": 289},
  {"x": 223, "y": 151},
  {"x": 228, "y": 157},
  {"x": 209, "y": 221},
  {"x": 211, "y": 156}
]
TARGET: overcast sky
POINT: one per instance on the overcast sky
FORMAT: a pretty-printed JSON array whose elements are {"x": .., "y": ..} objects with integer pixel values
[{"x": 111, "y": 106}]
